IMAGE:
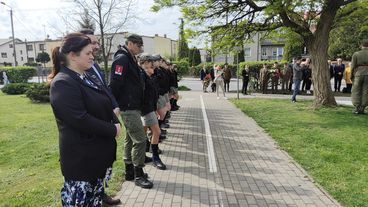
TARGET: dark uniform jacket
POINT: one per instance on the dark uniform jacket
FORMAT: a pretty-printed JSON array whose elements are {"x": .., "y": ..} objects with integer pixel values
[
  {"x": 245, "y": 74},
  {"x": 163, "y": 80},
  {"x": 173, "y": 79},
  {"x": 85, "y": 119},
  {"x": 127, "y": 81},
  {"x": 150, "y": 96},
  {"x": 339, "y": 70}
]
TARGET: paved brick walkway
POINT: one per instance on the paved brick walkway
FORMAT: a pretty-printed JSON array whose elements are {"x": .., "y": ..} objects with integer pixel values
[{"x": 248, "y": 168}]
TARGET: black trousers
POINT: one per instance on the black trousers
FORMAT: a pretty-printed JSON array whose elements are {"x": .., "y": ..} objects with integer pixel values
[
  {"x": 337, "y": 81},
  {"x": 245, "y": 86}
]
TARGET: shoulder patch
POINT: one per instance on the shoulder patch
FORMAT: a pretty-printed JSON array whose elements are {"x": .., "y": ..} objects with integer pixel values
[{"x": 119, "y": 69}]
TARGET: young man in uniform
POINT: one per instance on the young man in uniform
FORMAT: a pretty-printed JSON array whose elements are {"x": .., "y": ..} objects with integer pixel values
[
  {"x": 97, "y": 75},
  {"x": 359, "y": 76},
  {"x": 127, "y": 85}
]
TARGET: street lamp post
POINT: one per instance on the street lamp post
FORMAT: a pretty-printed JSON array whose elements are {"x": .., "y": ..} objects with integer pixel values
[{"x": 12, "y": 27}]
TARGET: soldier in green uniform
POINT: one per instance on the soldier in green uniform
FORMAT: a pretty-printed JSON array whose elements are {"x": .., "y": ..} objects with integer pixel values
[{"x": 359, "y": 76}]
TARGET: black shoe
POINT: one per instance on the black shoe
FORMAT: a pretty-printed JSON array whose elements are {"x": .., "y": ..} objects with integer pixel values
[
  {"x": 162, "y": 137},
  {"x": 109, "y": 200},
  {"x": 163, "y": 125},
  {"x": 143, "y": 182},
  {"x": 158, "y": 163},
  {"x": 129, "y": 172},
  {"x": 163, "y": 131},
  {"x": 147, "y": 159},
  {"x": 140, "y": 179}
]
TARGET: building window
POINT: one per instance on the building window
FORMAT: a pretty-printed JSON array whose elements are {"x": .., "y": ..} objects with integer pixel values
[
  {"x": 4, "y": 55},
  {"x": 264, "y": 51},
  {"x": 21, "y": 58},
  {"x": 280, "y": 51},
  {"x": 30, "y": 59},
  {"x": 29, "y": 47},
  {"x": 274, "y": 51},
  {"x": 247, "y": 52},
  {"x": 42, "y": 47},
  {"x": 10, "y": 45},
  {"x": 21, "y": 52}
]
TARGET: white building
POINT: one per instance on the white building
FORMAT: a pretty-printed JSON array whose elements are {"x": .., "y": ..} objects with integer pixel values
[{"x": 27, "y": 51}]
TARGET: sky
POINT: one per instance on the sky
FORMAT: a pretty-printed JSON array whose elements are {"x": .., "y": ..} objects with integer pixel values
[{"x": 34, "y": 19}]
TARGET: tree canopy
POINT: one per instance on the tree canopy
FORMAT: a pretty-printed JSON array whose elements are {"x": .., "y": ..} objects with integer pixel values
[
  {"x": 43, "y": 57},
  {"x": 349, "y": 29},
  {"x": 235, "y": 21}
]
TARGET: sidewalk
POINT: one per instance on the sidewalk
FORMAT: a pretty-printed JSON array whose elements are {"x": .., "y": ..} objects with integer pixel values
[{"x": 217, "y": 156}]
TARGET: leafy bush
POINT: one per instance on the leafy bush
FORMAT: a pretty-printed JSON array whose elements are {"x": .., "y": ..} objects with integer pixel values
[
  {"x": 15, "y": 88},
  {"x": 183, "y": 88},
  {"x": 183, "y": 67},
  {"x": 19, "y": 74},
  {"x": 39, "y": 93}
]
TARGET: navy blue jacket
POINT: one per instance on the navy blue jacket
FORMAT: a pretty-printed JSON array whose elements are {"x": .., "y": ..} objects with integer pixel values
[{"x": 86, "y": 123}]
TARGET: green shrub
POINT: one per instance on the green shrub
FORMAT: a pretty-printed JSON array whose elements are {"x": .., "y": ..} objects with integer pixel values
[
  {"x": 183, "y": 88},
  {"x": 39, "y": 93},
  {"x": 183, "y": 67},
  {"x": 19, "y": 74},
  {"x": 15, "y": 88}
]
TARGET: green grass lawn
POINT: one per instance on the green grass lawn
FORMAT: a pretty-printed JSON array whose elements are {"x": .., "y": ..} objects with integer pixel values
[
  {"x": 29, "y": 167},
  {"x": 330, "y": 143}
]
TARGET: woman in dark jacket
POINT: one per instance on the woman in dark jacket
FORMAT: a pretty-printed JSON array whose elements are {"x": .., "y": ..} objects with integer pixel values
[{"x": 86, "y": 122}]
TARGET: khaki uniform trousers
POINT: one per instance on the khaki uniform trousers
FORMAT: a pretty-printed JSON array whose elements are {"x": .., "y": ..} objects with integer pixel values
[
  {"x": 135, "y": 139},
  {"x": 359, "y": 93}
]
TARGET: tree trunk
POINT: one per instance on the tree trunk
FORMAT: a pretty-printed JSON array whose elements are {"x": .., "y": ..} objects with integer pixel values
[
  {"x": 322, "y": 91},
  {"x": 318, "y": 46}
]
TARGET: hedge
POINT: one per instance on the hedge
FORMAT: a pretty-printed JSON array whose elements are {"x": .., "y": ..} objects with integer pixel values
[
  {"x": 15, "y": 88},
  {"x": 39, "y": 93},
  {"x": 19, "y": 74}
]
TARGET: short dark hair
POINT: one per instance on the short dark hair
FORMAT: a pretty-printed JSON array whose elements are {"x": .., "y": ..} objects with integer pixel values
[
  {"x": 87, "y": 31},
  {"x": 135, "y": 39},
  {"x": 365, "y": 43}
]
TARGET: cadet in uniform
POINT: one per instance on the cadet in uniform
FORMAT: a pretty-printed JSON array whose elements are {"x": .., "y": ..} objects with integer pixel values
[
  {"x": 359, "y": 76},
  {"x": 127, "y": 85}
]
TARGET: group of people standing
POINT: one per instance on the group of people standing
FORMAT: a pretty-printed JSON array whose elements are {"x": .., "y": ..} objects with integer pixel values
[
  {"x": 218, "y": 76},
  {"x": 142, "y": 90}
]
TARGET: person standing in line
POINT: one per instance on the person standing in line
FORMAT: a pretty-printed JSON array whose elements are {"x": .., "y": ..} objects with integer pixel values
[
  {"x": 331, "y": 67},
  {"x": 212, "y": 74},
  {"x": 127, "y": 85},
  {"x": 263, "y": 78},
  {"x": 339, "y": 69},
  {"x": 245, "y": 75},
  {"x": 286, "y": 76},
  {"x": 307, "y": 75},
  {"x": 297, "y": 77},
  {"x": 219, "y": 80},
  {"x": 349, "y": 83},
  {"x": 149, "y": 114},
  {"x": 97, "y": 75},
  {"x": 227, "y": 77},
  {"x": 359, "y": 76},
  {"x": 86, "y": 123}
]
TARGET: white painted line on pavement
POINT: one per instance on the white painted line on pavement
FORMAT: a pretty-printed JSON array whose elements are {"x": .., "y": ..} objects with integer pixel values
[{"x": 210, "y": 150}]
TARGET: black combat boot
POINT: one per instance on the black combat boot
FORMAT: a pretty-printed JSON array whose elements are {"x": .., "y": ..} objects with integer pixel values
[
  {"x": 148, "y": 143},
  {"x": 129, "y": 172},
  {"x": 140, "y": 179},
  {"x": 156, "y": 158}
]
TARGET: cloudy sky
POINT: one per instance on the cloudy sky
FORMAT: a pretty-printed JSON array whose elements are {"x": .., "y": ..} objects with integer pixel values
[{"x": 33, "y": 19}]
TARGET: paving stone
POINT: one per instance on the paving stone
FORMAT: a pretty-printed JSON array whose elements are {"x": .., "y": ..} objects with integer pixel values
[{"x": 251, "y": 170}]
